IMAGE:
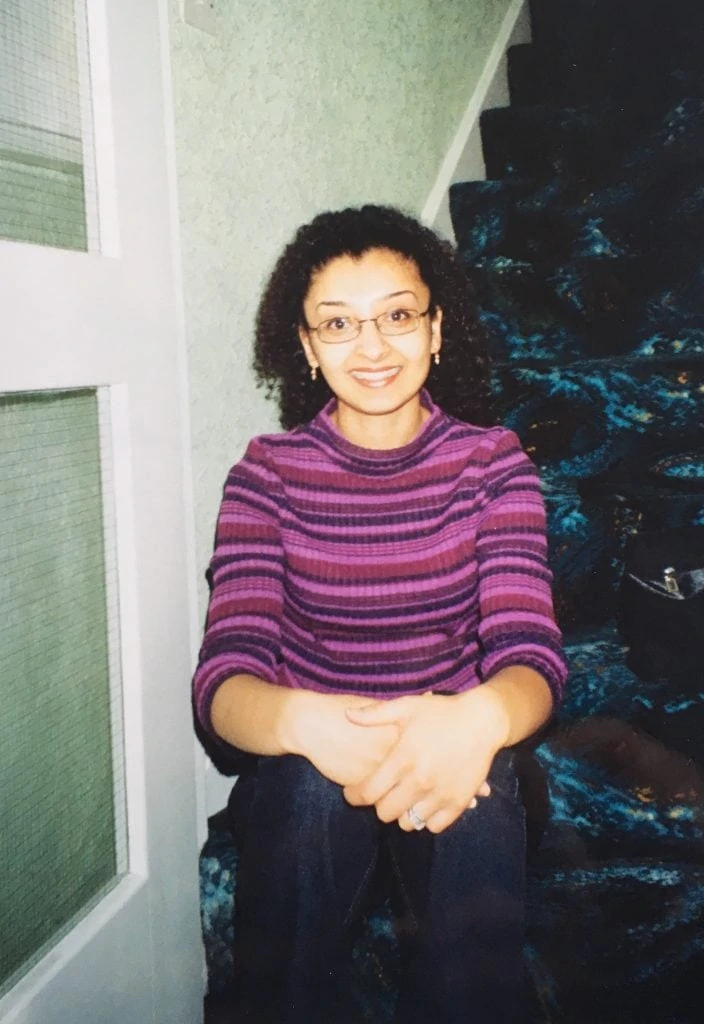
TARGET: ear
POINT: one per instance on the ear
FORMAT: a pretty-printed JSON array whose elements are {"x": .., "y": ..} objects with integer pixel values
[
  {"x": 304, "y": 337},
  {"x": 436, "y": 331}
]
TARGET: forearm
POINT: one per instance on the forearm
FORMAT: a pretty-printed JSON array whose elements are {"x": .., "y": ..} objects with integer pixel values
[
  {"x": 517, "y": 702},
  {"x": 256, "y": 716},
  {"x": 261, "y": 718}
]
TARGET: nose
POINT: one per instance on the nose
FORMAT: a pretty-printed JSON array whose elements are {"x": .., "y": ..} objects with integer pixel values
[{"x": 371, "y": 341}]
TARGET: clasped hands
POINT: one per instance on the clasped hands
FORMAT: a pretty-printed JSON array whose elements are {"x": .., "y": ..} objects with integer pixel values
[{"x": 436, "y": 761}]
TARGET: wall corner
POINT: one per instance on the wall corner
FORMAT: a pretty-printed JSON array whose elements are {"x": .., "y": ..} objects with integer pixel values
[{"x": 464, "y": 160}]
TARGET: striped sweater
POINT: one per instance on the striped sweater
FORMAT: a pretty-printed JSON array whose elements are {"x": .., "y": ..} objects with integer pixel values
[{"x": 348, "y": 570}]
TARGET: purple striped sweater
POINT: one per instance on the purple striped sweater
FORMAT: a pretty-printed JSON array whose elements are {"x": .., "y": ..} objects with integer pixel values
[{"x": 348, "y": 570}]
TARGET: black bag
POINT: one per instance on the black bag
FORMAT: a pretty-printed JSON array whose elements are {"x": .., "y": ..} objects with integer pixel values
[{"x": 661, "y": 613}]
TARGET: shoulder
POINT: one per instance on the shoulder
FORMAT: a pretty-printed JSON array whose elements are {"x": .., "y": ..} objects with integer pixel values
[
  {"x": 270, "y": 456},
  {"x": 486, "y": 444},
  {"x": 492, "y": 457}
]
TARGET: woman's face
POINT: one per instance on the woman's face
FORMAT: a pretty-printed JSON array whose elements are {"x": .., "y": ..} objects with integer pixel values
[{"x": 375, "y": 373}]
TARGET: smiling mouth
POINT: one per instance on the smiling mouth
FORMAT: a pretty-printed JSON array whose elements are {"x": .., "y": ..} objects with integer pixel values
[{"x": 375, "y": 378}]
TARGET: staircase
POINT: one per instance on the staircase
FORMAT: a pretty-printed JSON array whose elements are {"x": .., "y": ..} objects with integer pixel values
[{"x": 586, "y": 246}]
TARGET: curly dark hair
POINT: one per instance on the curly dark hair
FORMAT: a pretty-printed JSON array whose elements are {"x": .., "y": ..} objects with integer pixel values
[{"x": 460, "y": 384}]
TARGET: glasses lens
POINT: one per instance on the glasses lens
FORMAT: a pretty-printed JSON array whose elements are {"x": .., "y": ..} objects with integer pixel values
[
  {"x": 340, "y": 328},
  {"x": 398, "y": 321}
]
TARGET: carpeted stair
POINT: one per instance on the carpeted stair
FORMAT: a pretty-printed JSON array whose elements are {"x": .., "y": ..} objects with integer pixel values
[
  {"x": 586, "y": 245},
  {"x": 587, "y": 250}
]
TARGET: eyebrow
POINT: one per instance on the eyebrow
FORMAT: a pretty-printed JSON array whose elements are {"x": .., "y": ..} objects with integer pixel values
[{"x": 383, "y": 298}]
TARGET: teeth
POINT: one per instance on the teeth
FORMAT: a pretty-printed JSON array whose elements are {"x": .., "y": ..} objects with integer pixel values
[{"x": 374, "y": 376}]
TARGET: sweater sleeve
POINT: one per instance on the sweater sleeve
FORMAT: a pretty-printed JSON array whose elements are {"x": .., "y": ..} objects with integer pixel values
[
  {"x": 246, "y": 578},
  {"x": 517, "y": 623}
]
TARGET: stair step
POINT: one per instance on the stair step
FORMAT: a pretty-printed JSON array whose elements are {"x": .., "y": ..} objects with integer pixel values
[
  {"x": 537, "y": 77},
  {"x": 656, "y": 207},
  {"x": 531, "y": 326},
  {"x": 524, "y": 219},
  {"x": 479, "y": 211},
  {"x": 581, "y": 420},
  {"x": 586, "y": 144},
  {"x": 593, "y": 305},
  {"x": 633, "y": 31}
]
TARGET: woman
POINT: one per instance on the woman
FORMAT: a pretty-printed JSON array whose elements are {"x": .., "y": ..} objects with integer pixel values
[{"x": 380, "y": 634}]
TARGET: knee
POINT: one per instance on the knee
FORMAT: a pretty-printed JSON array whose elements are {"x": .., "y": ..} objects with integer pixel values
[
  {"x": 297, "y": 793},
  {"x": 296, "y": 779}
]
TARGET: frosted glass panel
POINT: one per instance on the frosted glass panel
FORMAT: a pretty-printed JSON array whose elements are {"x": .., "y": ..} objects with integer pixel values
[
  {"x": 47, "y": 179},
  {"x": 62, "y": 814}
]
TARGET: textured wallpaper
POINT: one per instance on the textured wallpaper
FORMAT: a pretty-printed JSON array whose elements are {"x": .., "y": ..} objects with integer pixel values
[{"x": 294, "y": 107}]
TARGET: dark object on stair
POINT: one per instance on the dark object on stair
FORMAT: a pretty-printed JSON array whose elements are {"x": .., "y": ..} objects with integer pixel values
[{"x": 661, "y": 614}]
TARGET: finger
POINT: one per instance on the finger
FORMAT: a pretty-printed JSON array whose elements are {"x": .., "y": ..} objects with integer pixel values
[
  {"x": 437, "y": 819},
  {"x": 441, "y": 820},
  {"x": 353, "y": 795},
  {"x": 410, "y": 820},
  {"x": 362, "y": 794},
  {"x": 395, "y": 804},
  {"x": 412, "y": 791},
  {"x": 381, "y": 712},
  {"x": 405, "y": 823},
  {"x": 388, "y": 775},
  {"x": 446, "y": 816}
]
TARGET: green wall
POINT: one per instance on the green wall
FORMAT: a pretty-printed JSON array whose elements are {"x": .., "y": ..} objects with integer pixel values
[{"x": 293, "y": 107}]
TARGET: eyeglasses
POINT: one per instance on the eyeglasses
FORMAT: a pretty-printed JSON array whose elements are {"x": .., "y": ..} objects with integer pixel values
[{"x": 346, "y": 328}]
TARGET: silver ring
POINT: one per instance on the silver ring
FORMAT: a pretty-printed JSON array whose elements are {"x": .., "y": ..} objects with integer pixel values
[{"x": 415, "y": 819}]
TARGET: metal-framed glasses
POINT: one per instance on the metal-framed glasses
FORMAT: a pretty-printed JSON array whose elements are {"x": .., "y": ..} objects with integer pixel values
[{"x": 346, "y": 328}]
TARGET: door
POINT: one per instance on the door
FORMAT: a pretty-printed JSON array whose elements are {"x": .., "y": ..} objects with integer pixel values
[{"x": 99, "y": 829}]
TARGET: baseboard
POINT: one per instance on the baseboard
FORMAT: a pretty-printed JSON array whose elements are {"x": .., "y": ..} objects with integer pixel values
[{"x": 464, "y": 160}]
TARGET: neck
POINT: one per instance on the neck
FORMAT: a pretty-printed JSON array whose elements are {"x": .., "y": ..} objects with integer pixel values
[{"x": 384, "y": 431}]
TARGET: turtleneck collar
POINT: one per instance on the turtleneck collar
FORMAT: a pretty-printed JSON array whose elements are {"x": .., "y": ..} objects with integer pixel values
[{"x": 376, "y": 458}]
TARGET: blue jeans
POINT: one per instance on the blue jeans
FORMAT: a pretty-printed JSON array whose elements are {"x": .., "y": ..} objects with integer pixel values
[{"x": 305, "y": 862}]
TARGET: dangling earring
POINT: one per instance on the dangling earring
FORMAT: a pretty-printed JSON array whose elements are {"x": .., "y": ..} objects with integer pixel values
[
  {"x": 314, "y": 373},
  {"x": 436, "y": 357}
]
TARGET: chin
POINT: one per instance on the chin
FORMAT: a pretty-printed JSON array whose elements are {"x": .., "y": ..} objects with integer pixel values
[{"x": 380, "y": 401}]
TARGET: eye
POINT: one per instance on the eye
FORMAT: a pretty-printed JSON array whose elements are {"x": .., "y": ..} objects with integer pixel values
[
  {"x": 399, "y": 316},
  {"x": 338, "y": 325}
]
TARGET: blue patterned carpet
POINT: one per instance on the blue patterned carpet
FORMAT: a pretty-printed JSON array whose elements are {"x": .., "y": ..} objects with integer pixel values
[{"x": 586, "y": 246}]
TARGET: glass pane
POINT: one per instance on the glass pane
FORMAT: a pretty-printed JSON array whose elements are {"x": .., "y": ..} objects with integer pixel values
[
  {"x": 62, "y": 814},
  {"x": 47, "y": 179}
]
